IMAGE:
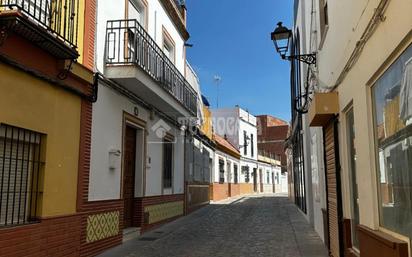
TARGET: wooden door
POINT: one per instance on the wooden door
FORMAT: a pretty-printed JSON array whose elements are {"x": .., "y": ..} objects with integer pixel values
[
  {"x": 273, "y": 182},
  {"x": 255, "y": 180},
  {"x": 129, "y": 175},
  {"x": 334, "y": 209},
  {"x": 261, "y": 180}
]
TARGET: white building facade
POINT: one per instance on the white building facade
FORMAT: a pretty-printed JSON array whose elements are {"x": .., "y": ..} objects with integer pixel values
[
  {"x": 307, "y": 176},
  {"x": 137, "y": 171},
  {"x": 359, "y": 87},
  {"x": 199, "y": 154},
  {"x": 270, "y": 177},
  {"x": 239, "y": 128}
]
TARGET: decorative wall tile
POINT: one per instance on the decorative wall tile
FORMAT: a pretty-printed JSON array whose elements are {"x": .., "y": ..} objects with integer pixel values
[
  {"x": 101, "y": 226},
  {"x": 164, "y": 211}
]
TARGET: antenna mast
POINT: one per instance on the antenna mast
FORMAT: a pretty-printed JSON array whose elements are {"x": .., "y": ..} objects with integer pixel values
[{"x": 217, "y": 80}]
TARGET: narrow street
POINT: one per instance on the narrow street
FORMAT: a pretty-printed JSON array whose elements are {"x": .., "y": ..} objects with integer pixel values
[{"x": 264, "y": 225}]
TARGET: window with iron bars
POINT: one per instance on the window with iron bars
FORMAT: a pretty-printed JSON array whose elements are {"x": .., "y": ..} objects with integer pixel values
[
  {"x": 20, "y": 174},
  {"x": 236, "y": 174},
  {"x": 221, "y": 171}
]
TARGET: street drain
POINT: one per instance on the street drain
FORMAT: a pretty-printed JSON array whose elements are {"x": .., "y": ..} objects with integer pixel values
[{"x": 148, "y": 239}]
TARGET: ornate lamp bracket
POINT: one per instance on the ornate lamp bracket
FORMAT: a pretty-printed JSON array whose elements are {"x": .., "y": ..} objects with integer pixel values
[{"x": 306, "y": 58}]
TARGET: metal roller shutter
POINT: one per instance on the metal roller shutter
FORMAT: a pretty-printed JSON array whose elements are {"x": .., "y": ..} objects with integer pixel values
[{"x": 333, "y": 191}]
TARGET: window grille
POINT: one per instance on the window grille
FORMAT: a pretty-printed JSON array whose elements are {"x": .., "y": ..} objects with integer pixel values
[
  {"x": 167, "y": 163},
  {"x": 20, "y": 172}
]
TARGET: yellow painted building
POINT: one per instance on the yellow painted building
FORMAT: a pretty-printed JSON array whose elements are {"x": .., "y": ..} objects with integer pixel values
[
  {"x": 39, "y": 106},
  {"x": 207, "y": 128},
  {"x": 46, "y": 90}
]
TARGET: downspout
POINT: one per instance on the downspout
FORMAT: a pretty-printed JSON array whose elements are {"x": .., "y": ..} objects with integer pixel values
[{"x": 185, "y": 184}]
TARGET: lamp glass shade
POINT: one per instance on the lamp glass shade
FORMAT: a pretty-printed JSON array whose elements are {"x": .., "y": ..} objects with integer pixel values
[{"x": 281, "y": 37}]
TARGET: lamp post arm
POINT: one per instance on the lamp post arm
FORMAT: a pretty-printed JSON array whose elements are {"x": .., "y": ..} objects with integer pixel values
[{"x": 306, "y": 58}]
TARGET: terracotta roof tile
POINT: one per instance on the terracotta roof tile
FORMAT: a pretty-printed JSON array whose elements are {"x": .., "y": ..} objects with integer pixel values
[{"x": 226, "y": 144}]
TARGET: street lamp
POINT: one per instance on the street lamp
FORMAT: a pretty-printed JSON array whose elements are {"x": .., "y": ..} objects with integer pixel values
[
  {"x": 247, "y": 142},
  {"x": 281, "y": 37}
]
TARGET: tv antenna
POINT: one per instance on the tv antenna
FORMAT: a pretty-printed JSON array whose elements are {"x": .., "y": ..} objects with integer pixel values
[{"x": 217, "y": 80}]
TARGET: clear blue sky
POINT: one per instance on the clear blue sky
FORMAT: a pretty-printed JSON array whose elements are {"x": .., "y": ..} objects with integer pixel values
[{"x": 232, "y": 39}]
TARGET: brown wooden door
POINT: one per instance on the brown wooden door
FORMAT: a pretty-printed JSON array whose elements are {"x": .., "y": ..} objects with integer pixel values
[
  {"x": 261, "y": 180},
  {"x": 255, "y": 180},
  {"x": 273, "y": 182},
  {"x": 129, "y": 175},
  {"x": 334, "y": 208}
]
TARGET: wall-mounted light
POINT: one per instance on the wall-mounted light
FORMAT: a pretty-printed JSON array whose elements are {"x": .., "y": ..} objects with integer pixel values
[
  {"x": 247, "y": 142},
  {"x": 282, "y": 37}
]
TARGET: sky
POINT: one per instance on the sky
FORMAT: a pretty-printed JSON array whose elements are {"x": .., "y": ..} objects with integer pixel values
[{"x": 231, "y": 39}]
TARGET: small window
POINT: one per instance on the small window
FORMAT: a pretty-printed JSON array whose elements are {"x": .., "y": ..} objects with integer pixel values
[
  {"x": 324, "y": 19},
  {"x": 244, "y": 142},
  {"x": 168, "y": 46},
  {"x": 20, "y": 167},
  {"x": 137, "y": 10},
  {"x": 235, "y": 174},
  {"x": 228, "y": 165},
  {"x": 167, "y": 163},
  {"x": 221, "y": 171},
  {"x": 268, "y": 177},
  {"x": 252, "y": 152},
  {"x": 245, "y": 170}
]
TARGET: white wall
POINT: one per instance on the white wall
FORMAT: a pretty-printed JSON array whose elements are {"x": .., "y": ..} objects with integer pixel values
[
  {"x": 318, "y": 179},
  {"x": 251, "y": 165},
  {"x": 107, "y": 128},
  {"x": 157, "y": 18},
  {"x": 302, "y": 24},
  {"x": 219, "y": 155},
  {"x": 226, "y": 122},
  {"x": 250, "y": 130},
  {"x": 232, "y": 122},
  {"x": 194, "y": 81},
  {"x": 212, "y": 157}
]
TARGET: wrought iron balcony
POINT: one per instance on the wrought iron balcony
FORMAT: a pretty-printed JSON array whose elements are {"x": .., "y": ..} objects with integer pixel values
[
  {"x": 52, "y": 24},
  {"x": 127, "y": 43}
]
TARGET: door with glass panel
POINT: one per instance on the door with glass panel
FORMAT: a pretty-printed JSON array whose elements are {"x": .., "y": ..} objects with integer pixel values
[{"x": 354, "y": 199}]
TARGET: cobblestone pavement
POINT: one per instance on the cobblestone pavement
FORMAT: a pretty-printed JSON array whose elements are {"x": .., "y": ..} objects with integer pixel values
[{"x": 261, "y": 225}]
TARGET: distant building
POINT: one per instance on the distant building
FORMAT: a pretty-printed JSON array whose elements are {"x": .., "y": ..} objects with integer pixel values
[
  {"x": 271, "y": 179},
  {"x": 272, "y": 133},
  {"x": 225, "y": 178},
  {"x": 239, "y": 127},
  {"x": 199, "y": 151}
]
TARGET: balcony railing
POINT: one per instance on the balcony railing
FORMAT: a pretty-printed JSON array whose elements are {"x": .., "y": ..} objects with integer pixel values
[
  {"x": 127, "y": 42},
  {"x": 60, "y": 17}
]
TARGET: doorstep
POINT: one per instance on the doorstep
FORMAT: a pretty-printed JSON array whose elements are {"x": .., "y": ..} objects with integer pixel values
[{"x": 130, "y": 233}]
